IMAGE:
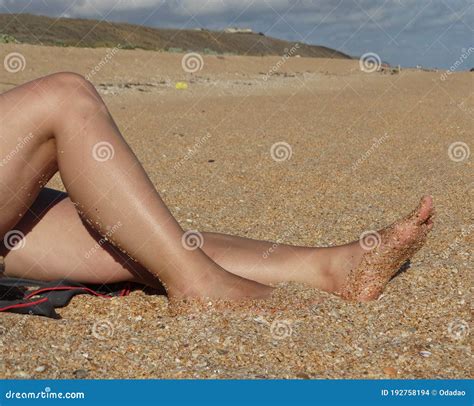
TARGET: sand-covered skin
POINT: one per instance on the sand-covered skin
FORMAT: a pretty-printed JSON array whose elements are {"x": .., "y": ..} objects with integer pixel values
[
  {"x": 364, "y": 149},
  {"x": 386, "y": 252}
]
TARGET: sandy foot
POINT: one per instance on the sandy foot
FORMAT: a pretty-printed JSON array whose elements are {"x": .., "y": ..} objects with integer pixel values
[{"x": 386, "y": 251}]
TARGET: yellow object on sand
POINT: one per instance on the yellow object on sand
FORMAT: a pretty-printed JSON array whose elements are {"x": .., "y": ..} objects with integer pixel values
[{"x": 181, "y": 85}]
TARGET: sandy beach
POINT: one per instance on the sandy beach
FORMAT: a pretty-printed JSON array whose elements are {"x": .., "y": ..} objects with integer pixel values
[{"x": 358, "y": 150}]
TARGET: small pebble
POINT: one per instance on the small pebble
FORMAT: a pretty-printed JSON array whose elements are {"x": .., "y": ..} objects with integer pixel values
[
  {"x": 390, "y": 372},
  {"x": 303, "y": 375},
  {"x": 80, "y": 373}
]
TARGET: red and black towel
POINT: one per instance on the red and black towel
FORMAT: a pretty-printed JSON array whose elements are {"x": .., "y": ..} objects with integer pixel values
[{"x": 41, "y": 298}]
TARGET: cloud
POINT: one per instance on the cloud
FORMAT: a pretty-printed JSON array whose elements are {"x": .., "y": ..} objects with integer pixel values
[{"x": 409, "y": 32}]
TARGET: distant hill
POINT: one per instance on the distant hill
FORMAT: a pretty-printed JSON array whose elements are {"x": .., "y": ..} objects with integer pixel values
[{"x": 40, "y": 30}]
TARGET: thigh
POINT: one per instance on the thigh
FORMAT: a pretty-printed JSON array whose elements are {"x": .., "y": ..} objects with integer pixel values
[{"x": 52, "y": 242}]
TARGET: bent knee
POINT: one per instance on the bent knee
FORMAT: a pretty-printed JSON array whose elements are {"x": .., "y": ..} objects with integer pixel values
[
  {"x": 73, "y": 90},
  {"x": 69, "y": 86},
  {"x": 60, "y": 80}
]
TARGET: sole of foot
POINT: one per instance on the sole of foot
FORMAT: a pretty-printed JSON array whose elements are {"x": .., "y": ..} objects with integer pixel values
[{"x": 387, "y": 251}]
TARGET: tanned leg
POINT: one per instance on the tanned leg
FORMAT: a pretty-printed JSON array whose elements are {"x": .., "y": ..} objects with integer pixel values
[
  {"x": 60, "y": 245},
  {"x": 59, "y": 122},
  {"x": 356, "y": 271}
]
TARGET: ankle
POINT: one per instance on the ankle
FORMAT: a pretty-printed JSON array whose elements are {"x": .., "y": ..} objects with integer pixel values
[
  {"x": 343, "y": 259},
  {"x": 323, "y": 270}
]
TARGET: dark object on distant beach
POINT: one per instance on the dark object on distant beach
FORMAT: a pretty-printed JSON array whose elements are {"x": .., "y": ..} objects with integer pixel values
[
  {"x": 211, "y": 160},
  {"x": 472, "y": 70}
]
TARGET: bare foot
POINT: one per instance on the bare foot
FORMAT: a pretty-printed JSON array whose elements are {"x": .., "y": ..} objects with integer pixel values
[{"x": 378, "y": 256}]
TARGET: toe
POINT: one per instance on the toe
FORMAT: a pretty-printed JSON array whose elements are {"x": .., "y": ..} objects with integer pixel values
[{"x": 424, "y": 210}]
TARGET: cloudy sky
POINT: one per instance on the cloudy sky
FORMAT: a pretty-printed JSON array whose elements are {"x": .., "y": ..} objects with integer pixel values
[{"x": 432, "y": 33}]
